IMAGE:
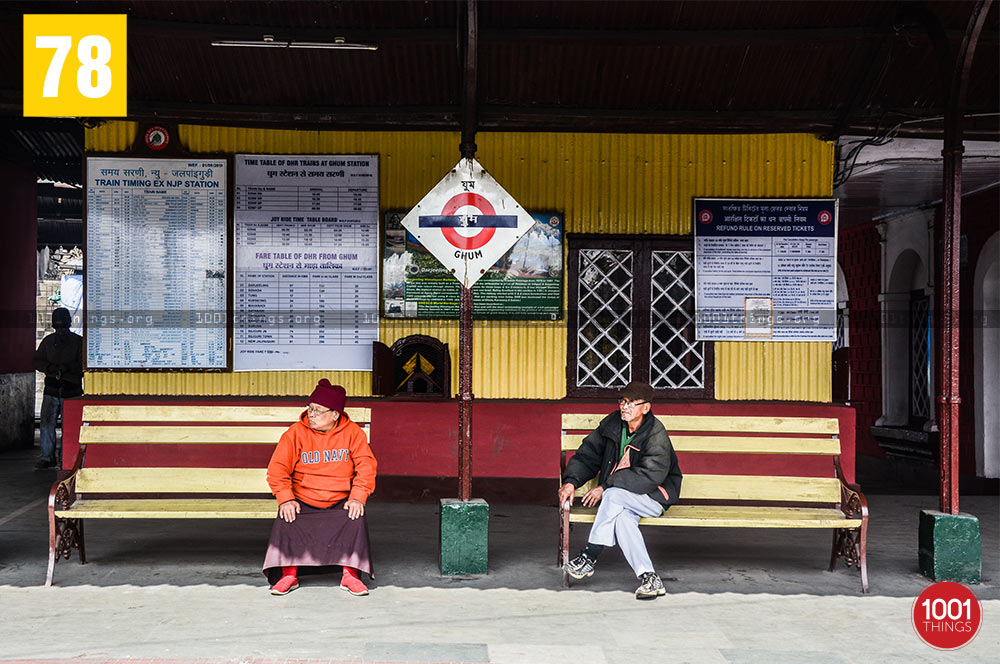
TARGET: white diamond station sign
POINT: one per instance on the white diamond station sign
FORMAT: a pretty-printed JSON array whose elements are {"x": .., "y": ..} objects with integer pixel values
[{"x": 468, "y": 221}]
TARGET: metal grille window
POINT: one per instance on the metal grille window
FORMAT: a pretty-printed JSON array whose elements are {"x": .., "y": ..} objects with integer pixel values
[
  {"x": 632, "y": 318},
  {"x": 843, "y": 329},
  {"x": 676, "y": 359},
  {"x": 604, "y": 314},
  {"x": 920, "y": 358}
]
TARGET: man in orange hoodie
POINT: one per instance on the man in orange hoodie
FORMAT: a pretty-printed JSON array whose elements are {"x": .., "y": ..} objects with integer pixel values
[{"x": 322, "y": 472}]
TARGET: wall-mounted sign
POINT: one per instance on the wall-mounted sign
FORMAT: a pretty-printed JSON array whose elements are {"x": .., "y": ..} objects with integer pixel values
[
  {"x": 156, "y": 263},
  {"x": 306, "y": 292},
  {"x": 467, "y": 221},
  {"x": 525, "y": 284},
  {"x": 765, "y": 269}
]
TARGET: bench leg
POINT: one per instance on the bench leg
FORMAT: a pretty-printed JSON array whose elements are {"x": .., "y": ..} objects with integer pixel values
[
  {"x": 851, "y": 544},
  {"x": 833, "y": 549},
  {"x": 52, "y": 547},
  {"x": 863, "y": 555},
  {"x": 64, "y": 536},
  {"x": 81, "y": 549},
  {"x": 563, "y": 558}
]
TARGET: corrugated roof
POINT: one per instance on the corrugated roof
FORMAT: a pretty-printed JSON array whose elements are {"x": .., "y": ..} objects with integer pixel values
[{"x": 547, "y": 65}]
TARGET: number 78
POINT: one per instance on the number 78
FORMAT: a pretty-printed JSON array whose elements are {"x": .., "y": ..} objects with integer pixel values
[{"x": 93, "y": 77}]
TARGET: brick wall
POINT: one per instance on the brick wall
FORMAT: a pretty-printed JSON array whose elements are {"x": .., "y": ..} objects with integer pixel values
[{"x": 860, "y": 259}]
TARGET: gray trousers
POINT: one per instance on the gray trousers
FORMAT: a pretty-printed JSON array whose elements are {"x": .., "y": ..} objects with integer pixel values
[{"x": 617, "y": 521}]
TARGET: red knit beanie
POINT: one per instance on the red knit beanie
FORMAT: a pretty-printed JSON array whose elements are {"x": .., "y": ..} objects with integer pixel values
[{"x": 331, "y": 396}]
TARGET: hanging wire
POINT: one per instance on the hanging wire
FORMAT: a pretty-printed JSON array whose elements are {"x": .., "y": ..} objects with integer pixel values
[{"x": 845, "y": 165}]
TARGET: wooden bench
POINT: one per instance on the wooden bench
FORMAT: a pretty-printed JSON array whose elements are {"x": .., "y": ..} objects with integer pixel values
[
  {"x": 167, "y": 492},
  {"x": 745, "y": 501}
]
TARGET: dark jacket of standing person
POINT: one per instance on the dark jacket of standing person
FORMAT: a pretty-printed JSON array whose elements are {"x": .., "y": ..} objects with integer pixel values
[{"x": 60, "y": 358}]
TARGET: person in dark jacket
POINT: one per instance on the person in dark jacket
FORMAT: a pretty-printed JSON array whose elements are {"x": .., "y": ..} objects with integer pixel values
[
  {"x": 637, "y": 476},
  {"x": 60, "y": 358}
]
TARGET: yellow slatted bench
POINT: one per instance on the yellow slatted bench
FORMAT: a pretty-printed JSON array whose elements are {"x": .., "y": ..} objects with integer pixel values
[
  {"x": 745, "y": 501},
  {"x": 161, "y": 492}
]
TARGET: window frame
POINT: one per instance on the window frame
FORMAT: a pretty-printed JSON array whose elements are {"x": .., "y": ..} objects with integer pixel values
[{"x": 642, "y": 248}]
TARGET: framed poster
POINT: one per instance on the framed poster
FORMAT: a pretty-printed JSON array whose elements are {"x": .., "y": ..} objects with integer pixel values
[
  {"x": 307, "y": 268},
  {"x": 525, "y": 284},
  {"x": 765, "y": 269},
  {"x": 156, "y": 263}
]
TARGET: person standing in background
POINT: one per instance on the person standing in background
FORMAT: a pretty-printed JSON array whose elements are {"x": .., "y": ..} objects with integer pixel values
[{"x": 60, "y": 358}]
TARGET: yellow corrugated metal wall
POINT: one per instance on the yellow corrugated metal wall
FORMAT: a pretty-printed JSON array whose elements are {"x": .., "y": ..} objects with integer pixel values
[{"x": 602, "y": 183}]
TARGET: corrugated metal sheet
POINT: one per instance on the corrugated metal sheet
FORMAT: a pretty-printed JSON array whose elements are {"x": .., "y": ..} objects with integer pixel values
[
  {"x": 603, "y": 183},
  {"x": 114, "y": 136},
  {"x": 773, "y": 370}
]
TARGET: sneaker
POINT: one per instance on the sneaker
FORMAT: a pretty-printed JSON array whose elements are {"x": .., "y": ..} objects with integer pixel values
[
  {"x": 285, "y": 585},
  {"x": 352, "y": 584},
  {"x": 650, "y": 587},
  {"x": 580, "y": 567}
]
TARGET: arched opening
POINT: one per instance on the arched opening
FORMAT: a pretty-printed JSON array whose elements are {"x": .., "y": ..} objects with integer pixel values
[
  {"x": 986, "y": 351},
  {"x": 907, "y": 347}
]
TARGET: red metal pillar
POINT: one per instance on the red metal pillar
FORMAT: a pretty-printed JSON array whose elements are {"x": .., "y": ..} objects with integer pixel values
[
  {"x": 948, "y": 284},
  {"x": 468, "y": 150},
  {"x": 465, "y": 396}
]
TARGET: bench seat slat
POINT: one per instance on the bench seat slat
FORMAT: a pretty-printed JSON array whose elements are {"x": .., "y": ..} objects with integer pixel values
[
  {"x": 202, "y": 508},
  {"x": 168, "y": 413},
  {"x": 724, "y": 516},
  {"x": 737, "y": 424},
  {"x": 172, "y": 480},
  {"x": 754, "y": 487},
  {"x": 735, "y": 444}
]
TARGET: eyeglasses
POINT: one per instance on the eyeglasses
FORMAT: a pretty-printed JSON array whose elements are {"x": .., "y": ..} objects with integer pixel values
[
  {"x": 317, "y": 411},
  {"x": 625, "y": 404}
]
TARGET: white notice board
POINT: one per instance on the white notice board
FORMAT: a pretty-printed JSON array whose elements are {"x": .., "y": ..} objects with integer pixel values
[
  {"x": 156, "y": 251},
  {"x": 307, "y": 267},
  {"x": 765, "y": 269}
]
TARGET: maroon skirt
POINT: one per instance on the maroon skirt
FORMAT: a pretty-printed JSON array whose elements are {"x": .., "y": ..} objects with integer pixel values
[{"x": 316, "y": 540}]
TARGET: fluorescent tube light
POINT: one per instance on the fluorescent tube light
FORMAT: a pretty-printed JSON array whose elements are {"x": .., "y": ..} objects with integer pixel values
[{"x": 269, "y": 42}]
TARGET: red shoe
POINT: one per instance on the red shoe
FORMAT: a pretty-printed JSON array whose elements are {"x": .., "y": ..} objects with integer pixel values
[
  {"x": 285, "y": 585},
  {"x": 351, "y": 583}
]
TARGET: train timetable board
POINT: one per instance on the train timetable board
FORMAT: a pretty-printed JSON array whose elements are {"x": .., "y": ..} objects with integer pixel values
[
  {"x": 307, "y": 270},
  {"x": 156, "y": 272}
]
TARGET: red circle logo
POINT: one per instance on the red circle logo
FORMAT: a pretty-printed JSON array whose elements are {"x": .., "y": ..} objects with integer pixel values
[
  {"x": 156, "y": 138},
  {"x": 947, "y": 615},
  {"x": 705, "y": 216},
  {"x": 477, "y": 241},
  {"x": 825, "y": 217}
]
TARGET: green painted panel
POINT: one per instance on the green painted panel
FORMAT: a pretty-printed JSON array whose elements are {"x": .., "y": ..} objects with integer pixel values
[
  {"x": 465, "y": 527},
  {"x": 950, "y": 547}
]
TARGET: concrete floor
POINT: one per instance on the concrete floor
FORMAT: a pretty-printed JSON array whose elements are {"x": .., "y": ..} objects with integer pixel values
[{"x": 179, "y": 591}]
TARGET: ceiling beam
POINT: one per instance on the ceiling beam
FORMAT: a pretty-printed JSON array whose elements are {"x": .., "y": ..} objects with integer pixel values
[{"x": 141, "y": 27}]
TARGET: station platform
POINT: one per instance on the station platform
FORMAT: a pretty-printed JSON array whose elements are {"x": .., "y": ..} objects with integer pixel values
[{"x": 174, "y": 592}]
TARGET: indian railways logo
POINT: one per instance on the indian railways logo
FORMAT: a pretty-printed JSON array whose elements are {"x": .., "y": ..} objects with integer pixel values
[
  {"x": 825, "y": 217},
  {"x": 486, "y": 223},
  {"x": 705, "y": 216}
]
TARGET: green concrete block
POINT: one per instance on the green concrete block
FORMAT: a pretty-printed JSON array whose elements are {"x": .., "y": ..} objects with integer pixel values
[
  {"x": 950, "y": 547},
  {"x": 465, "y": 528}
]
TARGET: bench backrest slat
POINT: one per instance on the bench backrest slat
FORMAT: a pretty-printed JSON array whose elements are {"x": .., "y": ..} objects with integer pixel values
[
  {"x": 705, "y": 423},
  {"x": 736, "y": 444},
  {"x": 754, "y": 488},
  {"x": 172, "y": 480},
  {"x": 181, "y": 434},
  {"x": 170, "y": 413}
]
